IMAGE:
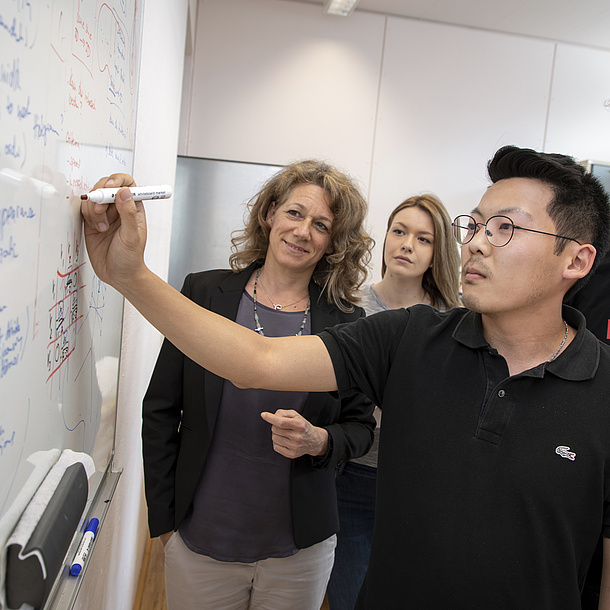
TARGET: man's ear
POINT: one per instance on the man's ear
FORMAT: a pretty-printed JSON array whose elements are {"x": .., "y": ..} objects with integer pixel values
[{"x": 580, "y": 262}]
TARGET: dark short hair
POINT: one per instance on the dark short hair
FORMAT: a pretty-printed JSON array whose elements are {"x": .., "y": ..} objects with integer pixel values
[{"x": 580, "y": 207}]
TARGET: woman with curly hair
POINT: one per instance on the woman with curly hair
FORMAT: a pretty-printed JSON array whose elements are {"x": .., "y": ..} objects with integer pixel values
[{"x": 247, "y": 511}]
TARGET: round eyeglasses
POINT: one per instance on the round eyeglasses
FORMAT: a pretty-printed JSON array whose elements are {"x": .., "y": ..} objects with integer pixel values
[{"x": 499, "y": 230}]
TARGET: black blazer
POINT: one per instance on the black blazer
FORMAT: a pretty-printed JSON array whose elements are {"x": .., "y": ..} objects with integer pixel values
[{"x": 179, "y": 415}]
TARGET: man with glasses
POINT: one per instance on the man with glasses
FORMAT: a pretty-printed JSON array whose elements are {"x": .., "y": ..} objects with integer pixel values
[{"x": 494, "y": 459}]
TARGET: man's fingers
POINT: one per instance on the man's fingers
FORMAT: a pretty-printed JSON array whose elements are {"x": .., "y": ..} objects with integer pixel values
[
  {"x": 95, "y": 214},
  {"x": 99, "y": 215},
  {"x": 114, "y": 181}
]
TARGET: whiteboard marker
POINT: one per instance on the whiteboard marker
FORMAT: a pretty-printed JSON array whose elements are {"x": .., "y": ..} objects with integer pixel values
[
  {"x": 84, "y": 547},
  {"x": 139, "y": 193}
]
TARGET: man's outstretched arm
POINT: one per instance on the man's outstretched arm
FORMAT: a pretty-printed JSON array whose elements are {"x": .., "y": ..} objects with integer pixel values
[{"x": 115, "y": 235}]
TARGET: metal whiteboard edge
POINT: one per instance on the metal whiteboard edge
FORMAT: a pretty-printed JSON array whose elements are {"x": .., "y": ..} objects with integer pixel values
[{"x": 66, "y": 588}]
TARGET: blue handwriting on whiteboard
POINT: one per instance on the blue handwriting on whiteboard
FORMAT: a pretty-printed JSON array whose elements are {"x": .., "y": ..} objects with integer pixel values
[
  {"x": 13, "y": 30},
  {"x": 11, "y": 343},
  {"x": 19, "y": 31},
  {"x": 120, "y": 74},
  {"x": 24, "y": 111},
  {"x": 10, "y": 251},
  {"x": 11, "y": 214},
  {"x": 12, "y": 149},
  {"x": 41, "y": 128},
  {"x": 6, "y": 440},
  {"x": 115, "y": 154},
  {"x": 11, "y": 75},
  {"x": 118, "y": 126}
]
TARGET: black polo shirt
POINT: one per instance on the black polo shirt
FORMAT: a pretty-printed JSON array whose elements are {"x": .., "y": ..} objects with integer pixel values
[{"x": 492, "y": 490}]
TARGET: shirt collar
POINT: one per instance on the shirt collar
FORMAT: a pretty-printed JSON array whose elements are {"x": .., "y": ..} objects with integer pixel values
[{"x": 578, "y": 362}]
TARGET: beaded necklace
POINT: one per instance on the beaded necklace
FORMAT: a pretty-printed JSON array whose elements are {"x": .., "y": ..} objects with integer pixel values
[{"x": 258, "y": 328}]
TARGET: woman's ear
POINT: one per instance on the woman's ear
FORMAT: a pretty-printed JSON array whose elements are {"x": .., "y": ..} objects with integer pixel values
[{"x": 270, "y": 213}]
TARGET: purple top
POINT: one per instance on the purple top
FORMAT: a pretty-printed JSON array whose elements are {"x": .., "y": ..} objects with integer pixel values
[{"x": 241, "y": 510}]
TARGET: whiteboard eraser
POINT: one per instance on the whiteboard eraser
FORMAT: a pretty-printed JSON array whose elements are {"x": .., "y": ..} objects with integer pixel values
[{"x": 32, "y": 565}]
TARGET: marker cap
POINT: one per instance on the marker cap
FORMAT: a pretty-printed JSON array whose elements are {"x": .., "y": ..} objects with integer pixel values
[
  {"x": 76, "y": 569},
  {"x": 92, "y": 527}
]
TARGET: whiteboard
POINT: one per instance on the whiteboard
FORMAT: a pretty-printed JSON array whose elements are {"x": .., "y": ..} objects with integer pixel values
[{"x": 68, "y": 89}]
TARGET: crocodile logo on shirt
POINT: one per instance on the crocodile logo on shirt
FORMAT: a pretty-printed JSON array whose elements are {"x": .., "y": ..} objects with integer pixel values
[{"x": 565, "y": 452}]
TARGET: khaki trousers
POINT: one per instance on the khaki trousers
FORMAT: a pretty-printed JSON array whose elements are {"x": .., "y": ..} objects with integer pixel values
[{"x": 298, "y": 582}]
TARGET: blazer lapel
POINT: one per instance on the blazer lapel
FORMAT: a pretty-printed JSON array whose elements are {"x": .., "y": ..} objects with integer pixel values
[{"x": 321, "y": 310}]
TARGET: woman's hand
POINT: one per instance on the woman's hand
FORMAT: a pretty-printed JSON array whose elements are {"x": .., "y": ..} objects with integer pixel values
[
  {"x": 115, "y": 233},
  {"x": 293, "y": 436}
]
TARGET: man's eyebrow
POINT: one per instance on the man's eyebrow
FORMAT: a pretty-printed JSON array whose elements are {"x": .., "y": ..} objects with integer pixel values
[{"x": 506, "y": 212}]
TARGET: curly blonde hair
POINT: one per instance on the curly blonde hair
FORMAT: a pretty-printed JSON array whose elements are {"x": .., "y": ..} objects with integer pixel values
[
  {"x": 340, "y": 273},
  {"x": 441, "y": 282}
]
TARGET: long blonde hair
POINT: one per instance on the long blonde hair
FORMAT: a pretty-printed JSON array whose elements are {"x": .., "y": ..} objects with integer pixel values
[
  {"x": 340, "y": 273},
  {"x": 441, "y": 282}
]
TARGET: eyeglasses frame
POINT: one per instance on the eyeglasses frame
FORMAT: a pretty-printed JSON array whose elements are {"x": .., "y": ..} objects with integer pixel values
[{"x": 484, "y": 224}]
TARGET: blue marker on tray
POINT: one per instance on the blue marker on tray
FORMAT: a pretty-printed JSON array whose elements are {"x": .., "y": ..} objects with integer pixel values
[{"x": 84, "y": 547}]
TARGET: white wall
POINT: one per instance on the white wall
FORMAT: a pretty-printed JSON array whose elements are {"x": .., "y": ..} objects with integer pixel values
[
  {"x": 579, "y": 112},
  {"x": 111, "y": 578},
  {"x": 449, "y": 98},
  {"x": 276, "y": 81},
  {"x": 403, "y": 105}
]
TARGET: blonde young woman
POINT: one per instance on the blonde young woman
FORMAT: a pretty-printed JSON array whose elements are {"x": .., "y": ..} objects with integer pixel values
[{"x": 420, "y": 266}]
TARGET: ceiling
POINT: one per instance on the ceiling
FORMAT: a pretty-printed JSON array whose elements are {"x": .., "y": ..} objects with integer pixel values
[{"x": 583, "y": 22}]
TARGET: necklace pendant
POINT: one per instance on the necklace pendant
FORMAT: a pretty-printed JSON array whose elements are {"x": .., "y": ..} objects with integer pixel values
[
  {"x": 277, "y": 307},
  {"x": 259, "y": 329}
]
